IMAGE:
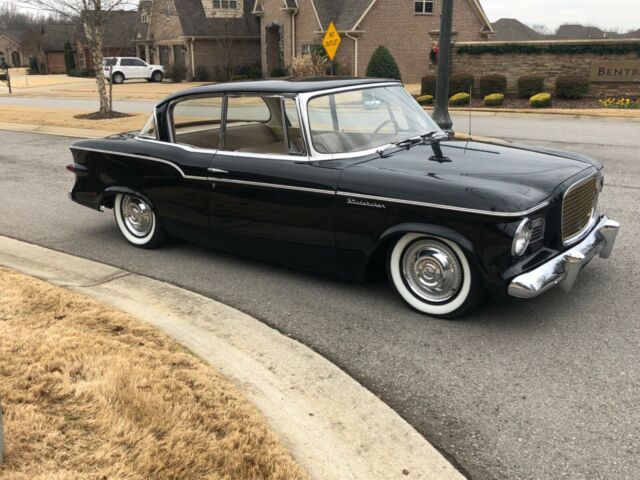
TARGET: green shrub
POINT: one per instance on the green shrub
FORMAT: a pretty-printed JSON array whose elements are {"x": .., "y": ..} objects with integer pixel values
[
  {"x": 279, "y": 72},
  {"x": 202, "y": 74},
  {"x": 494, "y": 99},
  {"x": 428, "y": 85},
  {"x": 461, "y": 82},
  {"x": 69, "y": 60},
  {"x": 572, "y": 86},
  {"x": 529, "y": 85},
  {"x": 540, "y": 100},
  {"x": 425, "y": 99},
  {"x": 255, "y": 72},
  {"x": 81, "y": 73},
  {"x": 493, "y": 84},
  {"x": 461, "y": 98},
  {"x": 34, "y": 67},
  {"x": 383, "y": 65},
  {"x": 176, "y": 73}
]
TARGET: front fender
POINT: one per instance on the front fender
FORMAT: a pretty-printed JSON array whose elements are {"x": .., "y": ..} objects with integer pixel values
[{"x": 436, "y": 230}]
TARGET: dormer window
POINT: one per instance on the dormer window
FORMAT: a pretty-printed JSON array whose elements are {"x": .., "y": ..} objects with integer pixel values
[
  {"x": 225, "y": 4},
  {"x": 424, "y": 6}
]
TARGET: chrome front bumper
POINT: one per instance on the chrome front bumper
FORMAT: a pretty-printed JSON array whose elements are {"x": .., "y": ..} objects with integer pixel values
[{"x": 563, "y": 270}]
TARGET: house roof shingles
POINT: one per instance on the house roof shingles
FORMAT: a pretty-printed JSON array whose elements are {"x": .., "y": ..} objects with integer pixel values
[
  {"x": 15, "y": 35},
  {"x": 343, "y": 13},
  {"x": 55, "y": 35},
  {"x": 195, "y": 23},
  {"x": 512, "y": 30}
]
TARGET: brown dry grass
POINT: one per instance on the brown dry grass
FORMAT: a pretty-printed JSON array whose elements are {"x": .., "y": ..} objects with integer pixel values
[
  {"x": 90, "y": 393},
  {"x": 65, "y": 117}
]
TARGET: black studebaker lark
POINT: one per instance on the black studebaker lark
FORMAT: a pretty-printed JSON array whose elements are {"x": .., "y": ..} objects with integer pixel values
[{"x": 333, "y": 175}]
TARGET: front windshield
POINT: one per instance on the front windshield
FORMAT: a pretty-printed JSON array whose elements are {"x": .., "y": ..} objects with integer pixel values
[{"x": 362, "y": 119}]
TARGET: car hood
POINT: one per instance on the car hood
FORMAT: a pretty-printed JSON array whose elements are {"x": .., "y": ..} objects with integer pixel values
[{"x": 470, "y": 174}]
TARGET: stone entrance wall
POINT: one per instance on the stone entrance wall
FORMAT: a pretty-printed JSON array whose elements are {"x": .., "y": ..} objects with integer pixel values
[{"x": 540, "y": 60}]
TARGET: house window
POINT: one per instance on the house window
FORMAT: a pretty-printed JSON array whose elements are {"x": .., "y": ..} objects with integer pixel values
[
  {"x": 81, "y": 61},
  {"x": 424, "y": 6},
  {"x": 225, "y": 4},
  {"x": 144, "y": 17}
]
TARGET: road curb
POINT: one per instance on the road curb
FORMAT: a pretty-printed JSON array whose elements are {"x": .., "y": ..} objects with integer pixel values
[{"x": 334, "y": 427}]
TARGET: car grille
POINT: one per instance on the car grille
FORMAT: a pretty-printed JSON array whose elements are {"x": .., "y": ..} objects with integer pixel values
[{"x": 578, "y": 208}]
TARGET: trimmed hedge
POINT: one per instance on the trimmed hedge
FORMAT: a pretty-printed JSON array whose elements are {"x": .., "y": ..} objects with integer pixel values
[
  {"x": 176, "y": 72},
  {"x": 572, "y": 86},
  {"x": 279, "y": 72},
  {"x": 461, "y": 98},
  {"x": 428, "y": 85},
  {"x": 493, "y": 84},
  {"x": 619, "y": 49},
  {"x": 425, "y": 99},
  {"x": 383, "y": 65},
  {"x": 529, "y": 85},
  {"x": 81, "y": 73},
  {"x": 541, "y": 100},
  {"x": 494, "y": 100},
  {"x": 461, "y": 82}
]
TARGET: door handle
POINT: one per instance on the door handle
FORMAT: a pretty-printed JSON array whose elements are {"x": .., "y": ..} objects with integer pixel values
[{"x": 216, "y": 170}]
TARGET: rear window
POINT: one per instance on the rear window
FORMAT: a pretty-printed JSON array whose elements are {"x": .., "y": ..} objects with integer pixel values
[{"x": 110, "y": 62}]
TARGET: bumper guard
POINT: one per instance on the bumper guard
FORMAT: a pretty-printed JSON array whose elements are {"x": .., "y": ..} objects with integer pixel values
[{"x": 563, "y": 270}]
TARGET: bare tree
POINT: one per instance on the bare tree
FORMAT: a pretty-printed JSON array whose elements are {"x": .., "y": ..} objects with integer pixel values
[
  {"x": 541, "y": 28},
  {"x": 91, "y": 16},
  {"x": 226, "y": 43}
]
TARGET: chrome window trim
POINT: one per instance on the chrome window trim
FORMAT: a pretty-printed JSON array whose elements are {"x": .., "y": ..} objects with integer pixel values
[
  {"x": 447, "y": 207},
  {"x": 594, "y": 211}
]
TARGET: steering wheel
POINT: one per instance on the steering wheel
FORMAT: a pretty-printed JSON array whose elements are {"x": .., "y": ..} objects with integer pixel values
[{"x": 377, "y": 130}]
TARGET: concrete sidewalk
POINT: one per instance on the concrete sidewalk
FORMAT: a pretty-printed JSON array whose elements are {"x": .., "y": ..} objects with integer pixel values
[{"x": 334, "y": 427}]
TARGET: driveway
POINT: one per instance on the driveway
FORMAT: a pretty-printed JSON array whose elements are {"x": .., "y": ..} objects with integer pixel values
[{"x": 545, "y": 389}]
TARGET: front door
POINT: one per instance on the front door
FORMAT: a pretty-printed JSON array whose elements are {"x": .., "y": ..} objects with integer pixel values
[{"x": 267, "y": 199}]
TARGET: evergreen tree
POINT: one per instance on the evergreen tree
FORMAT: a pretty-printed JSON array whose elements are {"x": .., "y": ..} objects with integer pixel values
[{"x": 383, "y": 65}]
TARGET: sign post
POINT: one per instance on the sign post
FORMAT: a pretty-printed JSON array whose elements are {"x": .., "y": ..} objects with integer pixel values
[
  {"x": 331, "y": 42},
  {"x": 441, "y": 110}
]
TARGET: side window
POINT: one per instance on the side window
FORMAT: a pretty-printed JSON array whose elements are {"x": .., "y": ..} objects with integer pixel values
[
  {"x": 126, "y": 62},
  {"x": 196, "y": 122},
  {"x": 254, "y": 124},
  {"x": 137, "y": 63}
]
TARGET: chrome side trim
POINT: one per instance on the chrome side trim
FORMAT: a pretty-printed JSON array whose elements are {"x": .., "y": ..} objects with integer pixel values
[
  {"x": 143, "y": 157},
  {"x": 273, "y": 185},
  {"x": 186, "y": 148},
  {"x": 563, "y": 270},
  {"x": 321, "y": 191},
  {"x": 446, "y": 207}
]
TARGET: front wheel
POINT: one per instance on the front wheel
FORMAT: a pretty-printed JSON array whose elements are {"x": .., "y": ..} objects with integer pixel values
[
  {"x": 137, "y": 221},
  {"x": 157, "y": 76},
  {"x": 434, "y": 276}
]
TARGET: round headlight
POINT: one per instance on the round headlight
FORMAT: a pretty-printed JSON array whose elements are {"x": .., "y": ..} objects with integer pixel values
[{"x": 522, "y": 238}]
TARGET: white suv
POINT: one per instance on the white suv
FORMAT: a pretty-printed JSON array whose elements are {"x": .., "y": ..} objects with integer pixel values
[{"x": 126, "y": 68}]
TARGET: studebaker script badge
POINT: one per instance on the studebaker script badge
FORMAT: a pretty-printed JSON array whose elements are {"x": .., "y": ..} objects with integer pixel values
[{"x": 364, "y": 203}]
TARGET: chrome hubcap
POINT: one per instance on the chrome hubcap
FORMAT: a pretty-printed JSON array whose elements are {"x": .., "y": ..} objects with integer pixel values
[
  {"x": 432, "y": 271},
  {"x": 137, "y": 216}
]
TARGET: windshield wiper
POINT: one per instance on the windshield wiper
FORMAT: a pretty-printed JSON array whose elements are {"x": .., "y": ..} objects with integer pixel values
[{"x": 436, "y": 135}]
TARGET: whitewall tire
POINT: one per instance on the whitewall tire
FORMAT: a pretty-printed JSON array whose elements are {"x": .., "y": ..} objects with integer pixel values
[
  {"x": 137, "y": 221},
  {"x": 433, "y": 275}
]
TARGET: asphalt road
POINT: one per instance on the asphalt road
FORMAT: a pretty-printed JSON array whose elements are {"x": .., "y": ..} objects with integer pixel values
[{"x": 544, "y": 389}]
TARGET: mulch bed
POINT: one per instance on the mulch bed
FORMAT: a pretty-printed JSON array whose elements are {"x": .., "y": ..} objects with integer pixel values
[{"x": 102, "y": 116}]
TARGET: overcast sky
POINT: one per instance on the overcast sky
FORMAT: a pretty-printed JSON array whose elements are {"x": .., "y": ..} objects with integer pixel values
[{"x": 610, "y": 14}]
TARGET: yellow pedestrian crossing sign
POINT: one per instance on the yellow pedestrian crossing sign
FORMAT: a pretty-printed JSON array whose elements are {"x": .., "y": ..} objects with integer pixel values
[{"x": 331, "y": 41}]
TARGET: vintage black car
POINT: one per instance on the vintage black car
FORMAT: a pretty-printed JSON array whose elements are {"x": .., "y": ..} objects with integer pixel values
[{"x": 337, "y": 175}]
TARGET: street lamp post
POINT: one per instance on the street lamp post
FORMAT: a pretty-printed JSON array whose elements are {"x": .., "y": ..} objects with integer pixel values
[{"x": 441, "y": 110}]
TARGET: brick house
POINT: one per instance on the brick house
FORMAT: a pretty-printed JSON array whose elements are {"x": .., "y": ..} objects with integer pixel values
[
  {"x": 407, "y": 28},
  {"x": 211, "y": 38},
  {"x": 11, "y": 48}
]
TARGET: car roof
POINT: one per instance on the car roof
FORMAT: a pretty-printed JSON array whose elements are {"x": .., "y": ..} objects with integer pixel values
[{"x": 295, "y": 85}]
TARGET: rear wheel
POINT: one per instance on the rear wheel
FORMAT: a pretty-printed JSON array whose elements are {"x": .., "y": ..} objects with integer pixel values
[
  {"x": 118, "y": 78},
  {"x": 157, "y": 76},
  {"x": 434, "y": 276},
  {"x": 137, "y": 221}
]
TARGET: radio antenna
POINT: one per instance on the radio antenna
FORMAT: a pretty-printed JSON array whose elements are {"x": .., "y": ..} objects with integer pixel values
[{"x": 470, "y": 98}]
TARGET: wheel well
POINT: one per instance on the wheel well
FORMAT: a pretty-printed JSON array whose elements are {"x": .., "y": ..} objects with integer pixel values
[{"x": 377, "y": 264}]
